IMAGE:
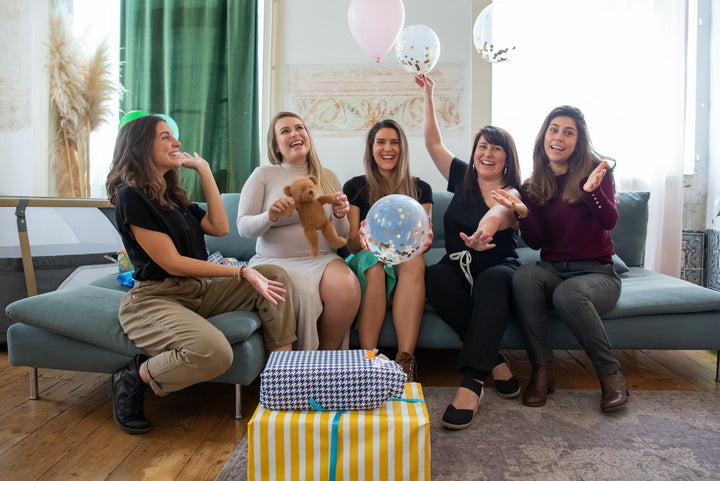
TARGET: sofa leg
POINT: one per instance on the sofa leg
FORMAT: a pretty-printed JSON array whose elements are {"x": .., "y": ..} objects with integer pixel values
[
  {"x": 238, "y": 402},
  {"x": 34, "y": 383}
]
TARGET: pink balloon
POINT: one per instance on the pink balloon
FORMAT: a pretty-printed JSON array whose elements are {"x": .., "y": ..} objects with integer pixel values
[{"x": 376, "y": 24}]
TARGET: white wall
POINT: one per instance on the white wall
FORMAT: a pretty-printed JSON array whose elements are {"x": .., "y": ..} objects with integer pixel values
[
  {"x": 316, "y": 32},
  {"x": 23, "y": 98}
]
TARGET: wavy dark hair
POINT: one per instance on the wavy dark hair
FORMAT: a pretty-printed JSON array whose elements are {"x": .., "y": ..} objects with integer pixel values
[
  {"x": 541, "y": 185},
  {"x": 133, "y": 165},
  {"x": 511, "y": 176},
  {"x": 401, "y": 181}
]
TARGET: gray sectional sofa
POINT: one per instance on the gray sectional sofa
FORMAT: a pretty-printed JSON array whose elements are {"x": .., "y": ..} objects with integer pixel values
[{"x": 77, "y": 329}]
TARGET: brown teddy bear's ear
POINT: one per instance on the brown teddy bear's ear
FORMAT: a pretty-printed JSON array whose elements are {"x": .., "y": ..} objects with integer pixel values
[
  {"x": 287, "y": 191},
  {"x": 313, "y": 179}
]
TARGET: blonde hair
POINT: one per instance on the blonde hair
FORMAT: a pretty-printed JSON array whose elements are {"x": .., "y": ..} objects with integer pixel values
[
  {"x": 400, "y": 182},
  {"x": 313, "y": 161}
]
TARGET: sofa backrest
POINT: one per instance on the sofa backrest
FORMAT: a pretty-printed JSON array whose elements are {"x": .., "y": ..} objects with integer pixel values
[
  {"x": 629, "y": 234},
  {"x": 231, "y": 245}
]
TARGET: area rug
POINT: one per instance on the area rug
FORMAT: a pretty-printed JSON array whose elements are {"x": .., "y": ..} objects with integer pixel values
[{"x": 668, "y": 435}]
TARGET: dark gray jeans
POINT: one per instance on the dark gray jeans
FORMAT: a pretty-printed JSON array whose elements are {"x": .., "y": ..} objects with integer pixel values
[{"x": 580, "y": 292}]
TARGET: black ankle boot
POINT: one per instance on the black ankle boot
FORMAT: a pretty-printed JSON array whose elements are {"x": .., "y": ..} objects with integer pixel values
[
  {"x": 127, "y": 391},
  {"x": 508, "y": 388},
  {"x": 455, "y": 418}
]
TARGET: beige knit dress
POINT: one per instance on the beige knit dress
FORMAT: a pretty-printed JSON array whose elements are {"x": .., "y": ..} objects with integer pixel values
[{"x": 283, "y": 243}]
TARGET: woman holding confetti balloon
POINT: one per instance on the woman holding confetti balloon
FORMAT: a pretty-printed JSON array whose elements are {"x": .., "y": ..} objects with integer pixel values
[
  {"x": 470, "y": 287},
  {"x": 387, "y": 171}
]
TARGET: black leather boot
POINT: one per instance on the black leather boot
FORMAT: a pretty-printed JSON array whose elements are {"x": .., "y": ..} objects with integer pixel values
[{"x": 127, "y": 391}]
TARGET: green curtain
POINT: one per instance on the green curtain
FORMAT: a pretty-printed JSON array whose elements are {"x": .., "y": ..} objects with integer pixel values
[{"x": 196, "y": 60}]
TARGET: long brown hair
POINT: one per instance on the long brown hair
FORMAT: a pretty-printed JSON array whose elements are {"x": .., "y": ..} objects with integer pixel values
[
  {"x": 511, "y": 172},
  {"x": 542, "y": 185},
  {"x": 132, "y": 165},
  {"x": 400, "y": 182},
  {"x": 313, "y": 161}
]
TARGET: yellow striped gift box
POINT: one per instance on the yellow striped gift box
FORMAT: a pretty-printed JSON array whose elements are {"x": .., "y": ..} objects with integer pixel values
[{"x": 391, "y": 442}]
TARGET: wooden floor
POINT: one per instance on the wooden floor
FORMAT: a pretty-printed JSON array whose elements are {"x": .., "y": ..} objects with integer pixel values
[{"x": 69, "y": 433}]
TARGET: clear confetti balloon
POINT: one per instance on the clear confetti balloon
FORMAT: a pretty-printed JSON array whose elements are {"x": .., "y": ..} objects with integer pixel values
[
  {"x": 396, "y": 228},
  {"x": 417, "y": 49},
  {"x": 489, "y": 41}
]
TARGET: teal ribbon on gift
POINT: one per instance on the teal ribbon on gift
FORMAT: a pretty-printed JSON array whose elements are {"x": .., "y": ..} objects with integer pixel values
[
  {"x": 335, "y": 431},
  {"x": 334, "y": 434}
]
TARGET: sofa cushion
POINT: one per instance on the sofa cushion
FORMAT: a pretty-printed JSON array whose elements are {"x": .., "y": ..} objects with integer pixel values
[
  {"x": 441, "y": 200},
  {"x": 231, "y": 245},
  {"x": 646, "y": 292},
  {"x": 89, "y": 314},
  {"x": 630, "y": 232}
]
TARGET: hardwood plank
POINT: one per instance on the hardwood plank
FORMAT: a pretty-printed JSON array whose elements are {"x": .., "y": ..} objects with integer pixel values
[
  {"x": 22, "y": 416},
  {"x": 39, "y": 451},
  {"x": 181, "y": 422},
  {"x": 696, "y": 368}
]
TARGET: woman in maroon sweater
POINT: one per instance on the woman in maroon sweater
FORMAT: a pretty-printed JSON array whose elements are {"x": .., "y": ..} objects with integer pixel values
[{"x": 567, "y": 211}]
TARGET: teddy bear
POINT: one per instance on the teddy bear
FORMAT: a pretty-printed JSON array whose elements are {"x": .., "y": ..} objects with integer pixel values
[{"x": 303, "y": 191}]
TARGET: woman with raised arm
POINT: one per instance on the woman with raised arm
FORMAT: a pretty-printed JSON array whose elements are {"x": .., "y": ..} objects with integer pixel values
[
  {"x": 176, "y": 289},
  {"x": 470, "y": 287},
  {"x": 387, "y": 171},
  {"x": 326, "y": 292},
  {"x": 567, "y": 211}
]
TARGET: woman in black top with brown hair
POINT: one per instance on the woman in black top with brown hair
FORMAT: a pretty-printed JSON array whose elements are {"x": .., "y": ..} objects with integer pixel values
[
  {"x": 176, "y": 288},
  {"x": 470, "y": 287}
]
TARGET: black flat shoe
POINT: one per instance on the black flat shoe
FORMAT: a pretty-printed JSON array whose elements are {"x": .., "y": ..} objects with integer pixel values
[
  {"x": 509, "y": 388},
  {"x": 127, "y": 391},
  {"x": 455, "y": 418}
]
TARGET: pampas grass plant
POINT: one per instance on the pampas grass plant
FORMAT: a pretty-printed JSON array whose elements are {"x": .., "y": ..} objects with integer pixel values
[{"x": 80, "y": 89}]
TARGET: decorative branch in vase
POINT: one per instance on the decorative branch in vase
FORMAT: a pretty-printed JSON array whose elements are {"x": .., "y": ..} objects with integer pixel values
[{"x": 81, "y": 87}]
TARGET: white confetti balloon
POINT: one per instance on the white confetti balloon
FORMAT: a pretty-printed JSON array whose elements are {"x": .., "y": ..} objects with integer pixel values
[
  {"x": 396, "y": 228},
  {"x": 417, "y": 49},
  {"x": 488, "y": 40}
]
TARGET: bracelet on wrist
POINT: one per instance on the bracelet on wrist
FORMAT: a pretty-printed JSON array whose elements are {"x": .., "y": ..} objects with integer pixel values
[{"x": 240, "y": 272}]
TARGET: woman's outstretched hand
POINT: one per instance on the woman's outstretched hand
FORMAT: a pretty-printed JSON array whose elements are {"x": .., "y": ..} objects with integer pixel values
[
  {"x": 595, "y": 177},
  {"x": 271, "y": 290},
  {"x": 508, "y": 200},
  {"x": 479, "y": 241}
]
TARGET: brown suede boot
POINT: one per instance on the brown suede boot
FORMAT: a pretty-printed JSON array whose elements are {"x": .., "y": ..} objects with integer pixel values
[
  {"x": 407, "y": 361},
  {"x": 541, "y": 383},
  {"x": 614, "y": 391}
]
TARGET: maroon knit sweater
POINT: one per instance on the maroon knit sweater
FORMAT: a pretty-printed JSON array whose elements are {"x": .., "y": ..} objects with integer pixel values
[{"x": 572, "y": 232}]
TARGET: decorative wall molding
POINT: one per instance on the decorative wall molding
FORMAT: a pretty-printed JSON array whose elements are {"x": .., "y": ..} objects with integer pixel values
[{"x": 344, "y": 100}]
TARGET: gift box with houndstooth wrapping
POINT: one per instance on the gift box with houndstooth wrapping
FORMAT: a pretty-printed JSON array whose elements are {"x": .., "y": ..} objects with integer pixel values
[{"x": 334, "y": 380}]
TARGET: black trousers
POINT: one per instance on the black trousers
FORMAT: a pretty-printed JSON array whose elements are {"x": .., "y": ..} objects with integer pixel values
[{"x": 479, "y": 317}]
